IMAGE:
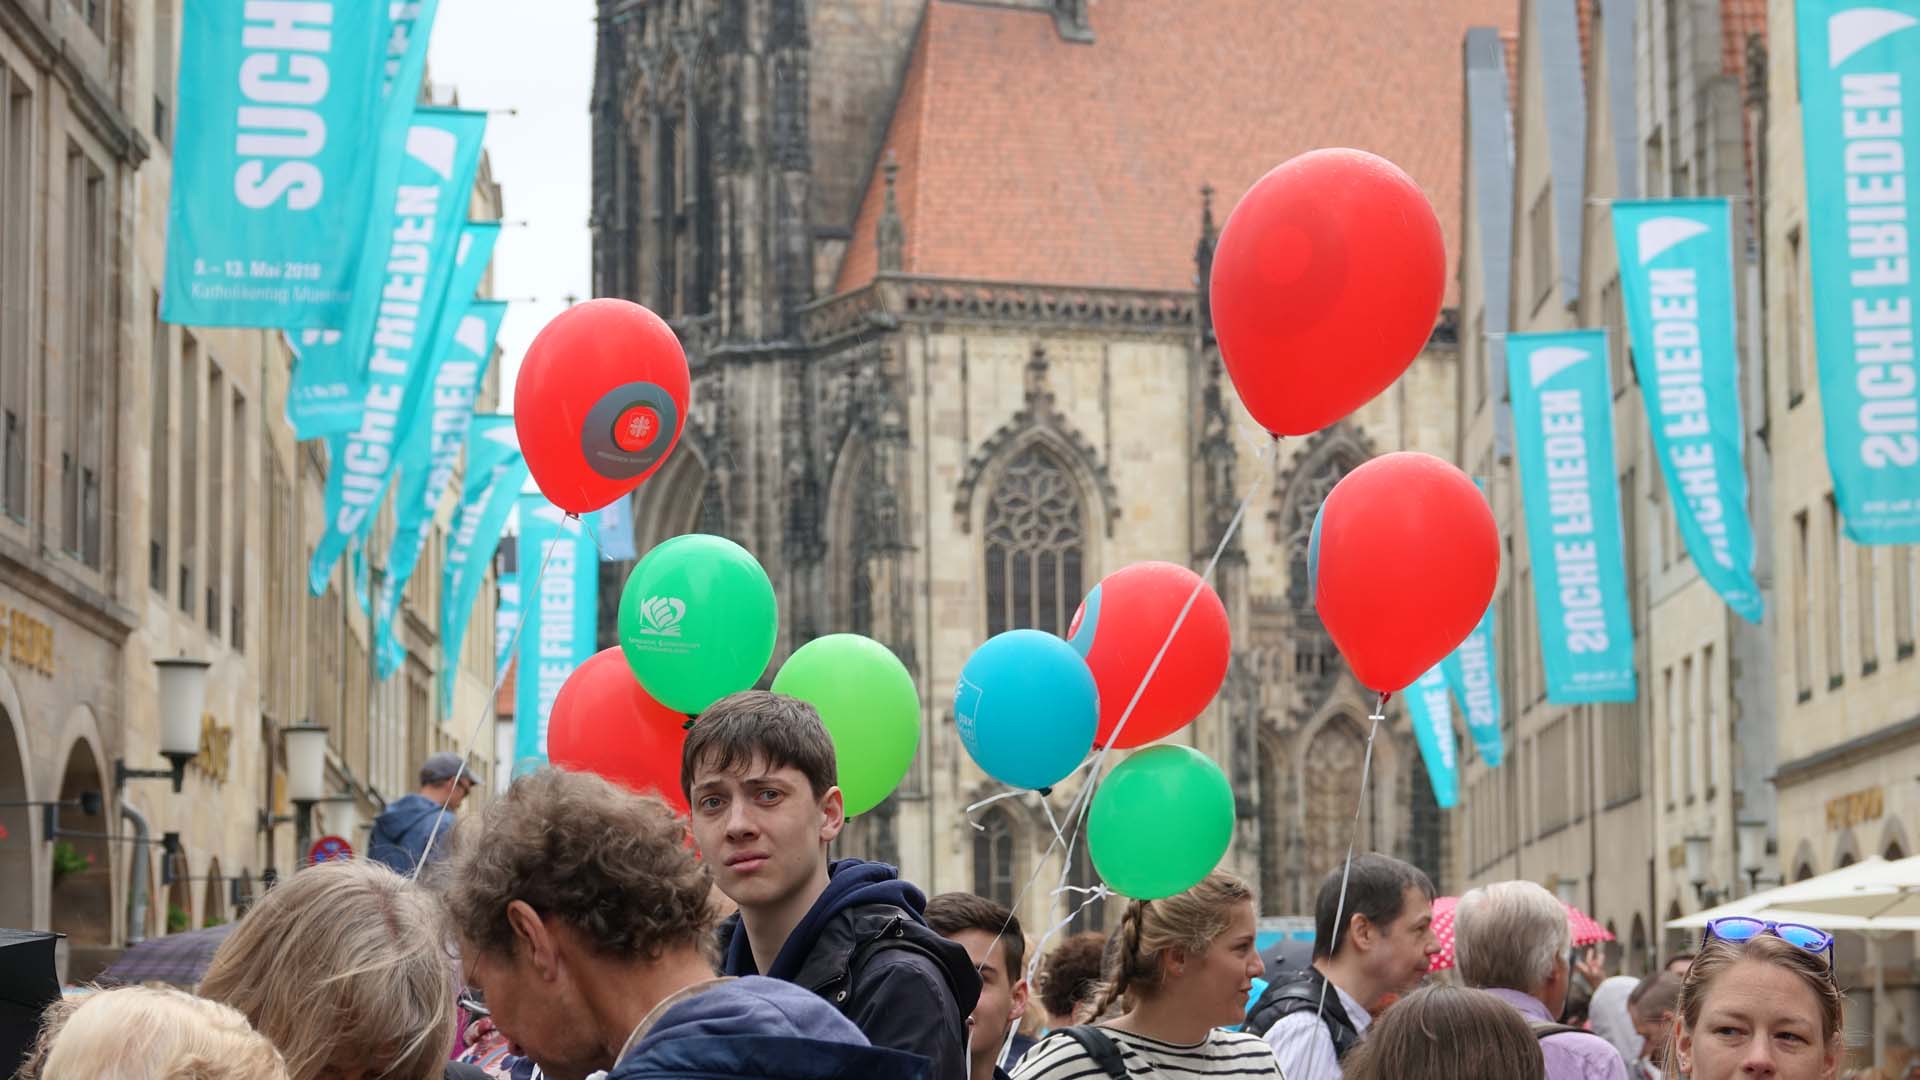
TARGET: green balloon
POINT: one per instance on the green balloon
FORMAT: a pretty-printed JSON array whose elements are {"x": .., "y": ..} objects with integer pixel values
[
  {"x": 870, "y": 706},
  {"x": 697, "y": 621},
  {"x": 1160, "y": 822}
]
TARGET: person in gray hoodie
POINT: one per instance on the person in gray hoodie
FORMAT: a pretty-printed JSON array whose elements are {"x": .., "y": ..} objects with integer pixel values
[
  {"x": 404, "y": 829},
  {"x": 585, "y": 926}
]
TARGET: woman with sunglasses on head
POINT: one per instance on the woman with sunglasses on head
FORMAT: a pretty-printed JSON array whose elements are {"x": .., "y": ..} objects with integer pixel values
[{"x": 1759, "y": 1000}]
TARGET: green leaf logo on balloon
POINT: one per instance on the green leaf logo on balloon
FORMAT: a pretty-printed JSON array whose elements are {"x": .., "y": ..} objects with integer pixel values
[{"x": 661, "y": 615}]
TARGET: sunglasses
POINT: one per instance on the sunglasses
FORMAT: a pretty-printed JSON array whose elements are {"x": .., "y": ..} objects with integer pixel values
[
  {"x": 473, "y": 1001},
  {"x": 1739, "y": 928}
]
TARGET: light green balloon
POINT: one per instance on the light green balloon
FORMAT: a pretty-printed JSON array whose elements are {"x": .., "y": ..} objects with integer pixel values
[
  {"x": 1160, "y": 822},
  {"x": 697, "y": 621},
  {"x": 871, "y": 708}
]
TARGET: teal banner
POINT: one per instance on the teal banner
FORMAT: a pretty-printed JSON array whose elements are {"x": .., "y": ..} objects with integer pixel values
[
  {"x": 1858, "y": 72},
  {"x": 271, "y": 183},
  {"x": 489, "y": 488},
  {"x": 1431, "y": 715},
  {"x": 429, "y": 455},
  {"x": 1563, "y": 444},
  {"x": 443, "y": 150},
  {"x": 506, "y": 622},
  {"x": 1470, "y": 675},
  {"x": 1676, "y": 277},
  {"x": 560, "y": 606}
]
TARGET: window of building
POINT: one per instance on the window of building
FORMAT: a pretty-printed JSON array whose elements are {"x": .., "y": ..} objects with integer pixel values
[
  {"x": 1540, "y": 238},
  {"x": 1689, "y": 731},
  {"x": 993, "y": 855},
  {"x": 93, "y": 13},
  {"x": 88, "y": 364},
  {"x": 1868, "y": 608},
  {"x": 1833, "y": 592},
  {"x": 163, "y": 68},
  {"x": 1614, "y": 310},
  {"x": 189, "y": 469},
  {"x": 1553, "y": 790},
  {"x": 1802, "y": 607},
  {"x": 1035, "y": 532},
  {"x": 159, "y": 452},
  {"x": 1669, "y": 716},
  {"x": 1620, "y": 738},
  {"x": 1793, "y": 307},
  {"x": 1334, "y": 759},
  {"x": 1902, "y": 559},
  {"x": 1710, "y": 720},
  {"x": 16, "y": 288},
  {"x": 216, "y": 496},
  {"x": 237, "y": 592}
]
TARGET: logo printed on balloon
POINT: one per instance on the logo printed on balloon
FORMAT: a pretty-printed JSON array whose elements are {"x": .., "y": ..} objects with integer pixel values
[
  {"x": 966, "y": 705},
  {"x": 628, "y": 430},
  {"x": 660, "y": 616}
]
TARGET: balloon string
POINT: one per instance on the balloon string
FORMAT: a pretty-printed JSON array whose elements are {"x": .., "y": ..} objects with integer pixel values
[
  {"x": 986, "y": 802},
  {"x": 486, "y": 708},
  {"x": 1340, "y": 908},
  {"x": 1082, "y": 800}
]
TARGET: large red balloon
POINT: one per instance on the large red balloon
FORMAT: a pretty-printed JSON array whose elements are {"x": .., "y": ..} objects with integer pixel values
[
  {"x": 1406, "y": 556},
  {"x": 600, "y": 399},
  {"x": 1326, "y": 284},
  {"x": 1120, "y": 628},
  {"x": 604, "y": 723}
]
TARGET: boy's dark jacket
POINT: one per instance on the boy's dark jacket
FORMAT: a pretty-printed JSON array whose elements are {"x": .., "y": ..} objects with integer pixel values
[
  {"x": 866, "y": 948},
  {"x": 760, "y": 1028}
]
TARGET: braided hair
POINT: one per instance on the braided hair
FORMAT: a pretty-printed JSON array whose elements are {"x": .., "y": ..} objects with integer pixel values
[{"x": 1136, "y": 953}]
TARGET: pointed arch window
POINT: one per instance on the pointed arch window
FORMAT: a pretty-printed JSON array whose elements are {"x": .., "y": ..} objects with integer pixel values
[
  {"x": 1332, "y": 775},
  {"x": 993, "y": 851},
  {"x": 1035, "y": 545}
]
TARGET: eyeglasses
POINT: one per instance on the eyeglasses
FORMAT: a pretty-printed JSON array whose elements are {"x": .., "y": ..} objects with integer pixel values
[
  {"x": 1739, "y": 928},
  {"x": 473, "y": 1001}
]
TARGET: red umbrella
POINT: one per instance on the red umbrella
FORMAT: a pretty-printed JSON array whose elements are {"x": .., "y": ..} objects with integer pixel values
[{"x": 1585, "y": 930}]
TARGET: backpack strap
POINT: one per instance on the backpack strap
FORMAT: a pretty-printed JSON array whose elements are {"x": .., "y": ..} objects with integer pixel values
[
  {"x": 1543, "y": 1029},
  {"x": 1100, "y": 1048},
  {"x": 1307, "y": 992}
]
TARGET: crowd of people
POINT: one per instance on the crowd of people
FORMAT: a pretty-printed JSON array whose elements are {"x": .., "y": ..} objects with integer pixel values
[{"x": 572, "y": 930}]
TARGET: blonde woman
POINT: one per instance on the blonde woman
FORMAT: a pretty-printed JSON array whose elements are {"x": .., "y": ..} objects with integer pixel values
[
  {"x": 347, "y": 969},
  {"x": 1181, "y": 968},
  {"x": 138, "y": 1033}
]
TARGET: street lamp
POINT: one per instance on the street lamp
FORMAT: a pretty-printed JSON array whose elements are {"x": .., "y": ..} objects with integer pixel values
[
  {"x": 183, "y": 699},
  {"x": 1568, "y": 890},
  {"x": 306, "y": 745},
  {"x": 1699, "y": 851},
  {"x": 343, "y": 816},
  {"x": 1751, "y": 843}
]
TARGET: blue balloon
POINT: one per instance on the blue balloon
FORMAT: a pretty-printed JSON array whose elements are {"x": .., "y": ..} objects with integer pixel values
[{"x": 1027, "y": 708}]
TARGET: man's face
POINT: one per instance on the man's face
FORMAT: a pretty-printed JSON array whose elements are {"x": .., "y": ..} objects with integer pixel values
[
  {"x": 458, "y": 794},
  {"x": 1003, "y": 997},
  {"x": 1403, "y": 949},
  {"x": 761, "y": 831},
  {"x": 535, "y": 1005}
]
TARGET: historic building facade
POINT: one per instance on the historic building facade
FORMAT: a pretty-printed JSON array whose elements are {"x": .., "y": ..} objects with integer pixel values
[
  {"x": 153, "y": 505},
  {"x": 939, "y": 267}
]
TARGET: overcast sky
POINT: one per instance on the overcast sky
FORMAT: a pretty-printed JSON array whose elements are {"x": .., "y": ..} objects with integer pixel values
[{"x": 536, "y": 58}]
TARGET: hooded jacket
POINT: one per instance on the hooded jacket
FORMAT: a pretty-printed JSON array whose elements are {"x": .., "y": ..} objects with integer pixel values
[
  {"x": 761, "y": 1028},
  {"x": 866, "y": 948},
  {"x": 400, "y": 832}
]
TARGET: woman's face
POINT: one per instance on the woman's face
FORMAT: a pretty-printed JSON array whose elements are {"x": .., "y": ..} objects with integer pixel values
[
  {"x": 1758, "y": 1020},
  {"x": 1218, "y": 980}
]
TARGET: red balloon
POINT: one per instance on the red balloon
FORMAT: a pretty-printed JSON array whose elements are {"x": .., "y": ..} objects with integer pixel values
[
  {"x": 604, "y": 723},
  {"x": 1326, "y": 284},
  {"x": 1407, "y": 557},
  {"x": 599, "y": 402},
  {"x": 1119, "y": 629}
]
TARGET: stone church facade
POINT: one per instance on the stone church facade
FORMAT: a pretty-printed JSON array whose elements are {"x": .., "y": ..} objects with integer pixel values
[{"x": 939, "y": 268}]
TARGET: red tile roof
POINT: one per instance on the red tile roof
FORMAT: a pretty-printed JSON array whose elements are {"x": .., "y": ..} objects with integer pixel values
[
  {"x": 1024, "y": 157},
  {"x": 1583, "y": 14},
  {"x": 1510, "y": 41},
  {"x": 1738, "y": 20}
]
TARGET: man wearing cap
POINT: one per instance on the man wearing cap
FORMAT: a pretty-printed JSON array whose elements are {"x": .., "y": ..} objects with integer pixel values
[{"x": 402, "y": 831}]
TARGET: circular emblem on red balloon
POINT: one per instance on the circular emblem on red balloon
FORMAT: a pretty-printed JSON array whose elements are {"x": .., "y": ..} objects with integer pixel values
[
  {"x": 1119, "y": 630},
  {"x": 1326, "y": 284},
  {"x": 1404, "y": 557},
  {"x": 600, "y": 401}
]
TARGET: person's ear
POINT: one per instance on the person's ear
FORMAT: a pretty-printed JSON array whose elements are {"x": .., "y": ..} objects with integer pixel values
[
  {"x": 1362, "y": 932},
  {"x": 1175, "y": 960},
  {"x": 1682, "y": 1042},
  {"x": 834, "y": 806},
  {"x": 534, "y": 940},
  {"x": 1019, "y": 1001}
]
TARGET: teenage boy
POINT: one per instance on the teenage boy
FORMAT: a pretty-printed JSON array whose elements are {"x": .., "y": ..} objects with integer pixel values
[
  {"x": 760, "y": 775},
  {"x": 991, "y": 935}
]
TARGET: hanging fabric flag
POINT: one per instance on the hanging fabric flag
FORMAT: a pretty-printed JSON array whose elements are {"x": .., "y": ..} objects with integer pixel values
[
  {"x": 429, "y": 454},
  {"x": 1859, "y": 66},
  {"x": 329, "y": 384},
  {"x": 614, "y": 526},
  {"x": 271, "y": 183},
  {"x": 443, "y": 149},
  {"x": 506, "y": 616},
  {"x": 1676, "y": 275},
  {"x": 1563, "y": 444},
  {"x": 561, "y": 615},
  {"x": 494, "y": 474},
  {"x": 1432, "y": 718},
  {"x": 1470, "y": 674}
]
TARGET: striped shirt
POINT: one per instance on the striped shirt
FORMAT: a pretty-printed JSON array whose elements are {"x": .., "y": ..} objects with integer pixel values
[{"x": 1225, "y": 1053}]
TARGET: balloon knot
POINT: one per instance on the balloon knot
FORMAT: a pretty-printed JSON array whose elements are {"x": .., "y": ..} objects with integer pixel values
[
  {"x": 688, "y": 726},
  {"x": 1045, "y": 792}
]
